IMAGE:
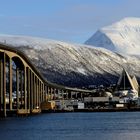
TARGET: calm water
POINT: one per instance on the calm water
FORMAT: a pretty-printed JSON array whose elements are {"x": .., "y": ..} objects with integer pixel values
[{"x": 73, "y": 126}]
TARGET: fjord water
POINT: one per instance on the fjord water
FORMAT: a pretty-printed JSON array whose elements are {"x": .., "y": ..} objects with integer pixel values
[{"x": 72, "y": 126}]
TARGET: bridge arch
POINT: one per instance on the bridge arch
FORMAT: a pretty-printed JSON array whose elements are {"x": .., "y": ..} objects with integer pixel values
[
  {"x": 18, "y": 62},
  {"x": 31, "y": 87},
  {"x": 16, "y": 71}
]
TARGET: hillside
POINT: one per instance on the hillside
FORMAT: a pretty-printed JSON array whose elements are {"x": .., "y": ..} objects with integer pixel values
[{"x": 73, "y": 64}]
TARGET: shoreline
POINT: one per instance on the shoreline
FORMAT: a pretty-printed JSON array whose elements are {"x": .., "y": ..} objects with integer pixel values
[
  {"x": 94, "y": 110},
  {"x": 14, "y": 113}
]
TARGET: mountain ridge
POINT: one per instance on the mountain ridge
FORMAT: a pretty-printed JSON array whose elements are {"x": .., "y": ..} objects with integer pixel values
[
  {"x": 122, "y": 36},
  {"x": 74, "y": 65}
]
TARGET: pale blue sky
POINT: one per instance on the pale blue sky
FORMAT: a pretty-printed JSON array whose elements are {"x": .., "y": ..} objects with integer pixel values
[{"x": 66, "y": 20}]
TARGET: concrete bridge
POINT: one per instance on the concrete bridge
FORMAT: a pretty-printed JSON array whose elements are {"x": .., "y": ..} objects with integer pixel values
[{"x": 23, "y": 88}]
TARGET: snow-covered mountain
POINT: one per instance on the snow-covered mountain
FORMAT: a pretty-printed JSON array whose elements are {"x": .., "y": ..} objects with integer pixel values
[
  {"x": 73, "y": 64},
  {"x": 122, "y": 37}
]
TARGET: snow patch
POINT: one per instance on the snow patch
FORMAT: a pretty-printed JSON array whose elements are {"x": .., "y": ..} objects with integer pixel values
[
  {"x": 82, "y": 71},
  {"x": 122, "y": 37}
]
